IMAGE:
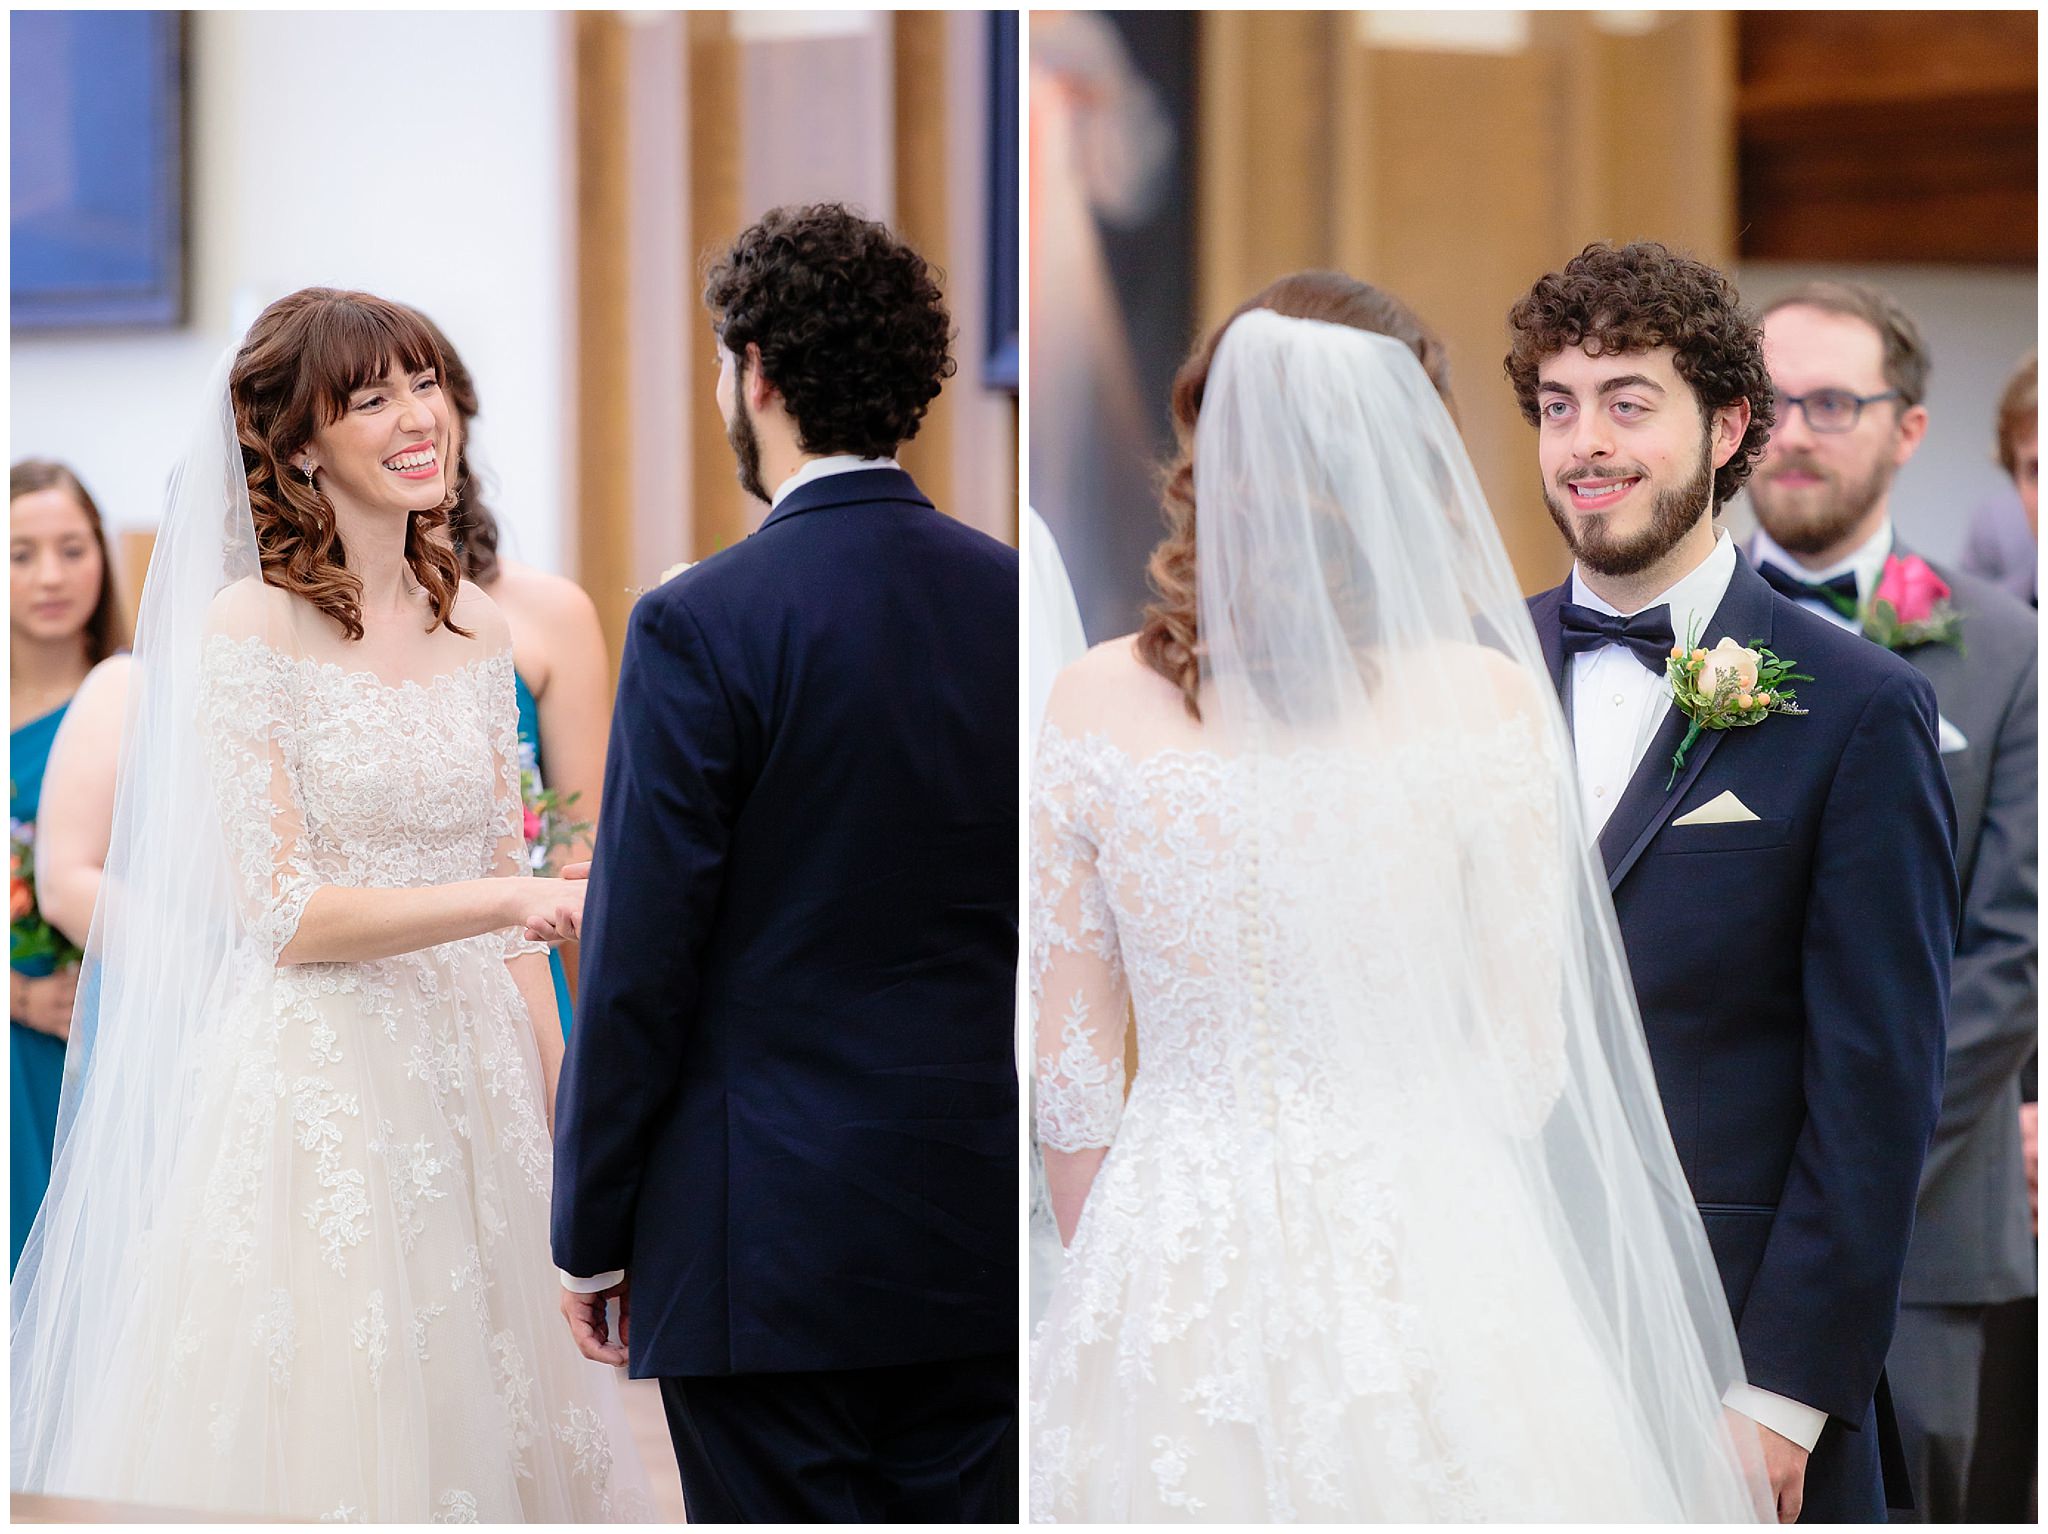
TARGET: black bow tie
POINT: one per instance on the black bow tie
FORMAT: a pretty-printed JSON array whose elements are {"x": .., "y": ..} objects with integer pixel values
[
  {"x": 1839, "y": 593},
  {"x": 1647, "y": 635}
]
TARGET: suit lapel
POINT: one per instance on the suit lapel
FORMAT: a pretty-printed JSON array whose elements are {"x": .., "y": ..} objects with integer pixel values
[
  {"x": 1550, "y": 635},
  {"x": 1745, "y": 616}
]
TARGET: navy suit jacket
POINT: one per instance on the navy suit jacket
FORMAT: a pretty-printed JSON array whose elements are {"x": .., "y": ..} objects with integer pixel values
[
  {"x": 789, "y": 1107},
  {"x": 1793, "y": 977}
]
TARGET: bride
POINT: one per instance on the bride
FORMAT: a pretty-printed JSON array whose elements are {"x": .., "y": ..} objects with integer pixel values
[
  {"x": 294, "y": 1259},
  {"x": 1389, "y": 1226}
]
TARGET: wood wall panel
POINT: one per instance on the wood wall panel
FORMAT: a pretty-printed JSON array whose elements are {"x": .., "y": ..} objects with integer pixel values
[
  {"x": 602, "y": 500},
  {"x": 1877, "y": 137},
  {"x": 1454, "y": 178},
  {"x": 720, "y": 512},
  {"x": 920, "y": 55}
]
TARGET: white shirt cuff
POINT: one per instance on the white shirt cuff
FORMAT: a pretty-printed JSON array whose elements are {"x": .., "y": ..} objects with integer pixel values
[
  {"x": 1781, "y": 1414},
  {"x": 595, "y": 1285}
]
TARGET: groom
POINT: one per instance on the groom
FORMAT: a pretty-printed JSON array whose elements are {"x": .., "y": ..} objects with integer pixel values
[
  {"x": 1787, "y": 895},
  {"x": 787, "y": 1128}
]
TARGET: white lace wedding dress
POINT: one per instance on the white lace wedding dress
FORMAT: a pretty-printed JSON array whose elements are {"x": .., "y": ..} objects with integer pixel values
[
  {"x": 346, "y": 1309},
  {"x": 1305, "y": 1284}
]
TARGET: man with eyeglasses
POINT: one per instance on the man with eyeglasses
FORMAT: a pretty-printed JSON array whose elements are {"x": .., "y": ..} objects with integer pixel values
[{"x": 1850, "y": 371}]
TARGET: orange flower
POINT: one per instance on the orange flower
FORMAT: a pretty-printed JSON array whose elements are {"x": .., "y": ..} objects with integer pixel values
[{"x": 21, "y": 900}]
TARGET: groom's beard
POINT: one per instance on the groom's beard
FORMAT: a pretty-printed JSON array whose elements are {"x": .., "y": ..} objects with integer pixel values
[
  {"x": 746, "y": 450},
  {"x": 1672, "y": 515}
]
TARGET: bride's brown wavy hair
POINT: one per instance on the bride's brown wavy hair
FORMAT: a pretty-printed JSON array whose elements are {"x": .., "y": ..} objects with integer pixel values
[
  {"x": 1169, "y": 641},
  {"x": 305, "y": 355}
]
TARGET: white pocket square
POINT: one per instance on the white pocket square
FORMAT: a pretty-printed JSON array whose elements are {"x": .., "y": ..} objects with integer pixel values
[
  {"x": 1722, "y": 810},
  {"x": 1952, "y": 739}
]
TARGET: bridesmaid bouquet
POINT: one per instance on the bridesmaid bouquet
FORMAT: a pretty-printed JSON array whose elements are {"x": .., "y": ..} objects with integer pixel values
[
  {"x": 30, "y": 939},
  {"x": 548, "y": 826}
]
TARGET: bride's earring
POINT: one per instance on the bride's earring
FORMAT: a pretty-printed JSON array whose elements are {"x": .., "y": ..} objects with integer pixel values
[{"x": 306, "y": 469}]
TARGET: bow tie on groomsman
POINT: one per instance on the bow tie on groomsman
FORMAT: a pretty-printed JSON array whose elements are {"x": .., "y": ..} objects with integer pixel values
[
  {"x": 1647, "y": 635},
  {"x": 1840, "y": 593}
]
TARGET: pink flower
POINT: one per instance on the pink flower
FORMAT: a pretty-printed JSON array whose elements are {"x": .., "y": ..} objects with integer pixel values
[
  {"x": 532, "y": 825},
  {"x": 1912, "y": 588}
]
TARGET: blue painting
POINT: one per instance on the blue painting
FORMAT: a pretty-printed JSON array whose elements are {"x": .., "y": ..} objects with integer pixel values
[
  {"x": 999, "y": 368},
  {"x": 98, "y": 165}
]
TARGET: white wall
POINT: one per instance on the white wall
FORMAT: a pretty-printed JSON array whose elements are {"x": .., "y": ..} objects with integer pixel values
[
  {"x": 1977, "y": 324},
  {"x": 421, "y": 156}
]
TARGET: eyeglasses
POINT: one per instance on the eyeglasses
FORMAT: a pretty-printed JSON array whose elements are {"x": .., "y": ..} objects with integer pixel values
[{"x": 1833, "y": 410}]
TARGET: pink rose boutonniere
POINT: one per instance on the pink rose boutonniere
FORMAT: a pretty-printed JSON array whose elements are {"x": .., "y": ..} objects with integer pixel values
[{"x": 1911, "y": 607}]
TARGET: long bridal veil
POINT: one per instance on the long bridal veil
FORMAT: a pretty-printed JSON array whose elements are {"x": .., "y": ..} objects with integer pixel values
[
  {"x": 164, "y": 946},
  {"x": 1354, "y": 595}
]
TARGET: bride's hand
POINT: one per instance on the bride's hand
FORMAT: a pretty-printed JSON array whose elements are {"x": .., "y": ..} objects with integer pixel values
[{"x": 551, "y": 910}]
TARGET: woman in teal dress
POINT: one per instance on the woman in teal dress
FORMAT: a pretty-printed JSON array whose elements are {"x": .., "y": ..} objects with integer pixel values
[
  {"x": 63, "y": 619},
  {"x": 562, "y": 672}
]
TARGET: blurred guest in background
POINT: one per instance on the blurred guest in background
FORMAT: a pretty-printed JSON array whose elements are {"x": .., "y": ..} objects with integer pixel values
[
  {"x": 2002, "y": 547},
  {"x": 562, "y": 672},
  {"x": 1850, "y": 370},
  {"x": 2004, "y": 1472},
  {"x": 64, "y": 618}
]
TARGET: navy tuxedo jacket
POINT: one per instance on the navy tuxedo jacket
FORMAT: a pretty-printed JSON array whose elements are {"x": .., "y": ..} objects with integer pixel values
[
  {"x": 789, "y": 1106},
  {"x": 1793, "y": 977}
]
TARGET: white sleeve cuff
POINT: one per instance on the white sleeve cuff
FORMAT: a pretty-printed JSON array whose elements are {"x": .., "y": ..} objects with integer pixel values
[
  {"x": 595, "y": 1285},
  {"x": 1781, "y": 1414}
]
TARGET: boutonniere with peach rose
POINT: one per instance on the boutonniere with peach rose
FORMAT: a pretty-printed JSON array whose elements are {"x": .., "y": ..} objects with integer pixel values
[
  {"x": 1729, "y": 687},
  {"x": 1911, "y": 607}
]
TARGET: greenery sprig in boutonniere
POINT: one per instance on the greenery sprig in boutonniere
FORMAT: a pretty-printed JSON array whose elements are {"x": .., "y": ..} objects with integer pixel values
[
  {"x": 1911, "y": 607},
  {"x": 1729, "y": 687}
]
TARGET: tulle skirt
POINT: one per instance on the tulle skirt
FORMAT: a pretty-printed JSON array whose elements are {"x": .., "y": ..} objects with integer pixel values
[
  {"x": 346, "y": 1310},
  {"x": 1322, "y": 1321}
]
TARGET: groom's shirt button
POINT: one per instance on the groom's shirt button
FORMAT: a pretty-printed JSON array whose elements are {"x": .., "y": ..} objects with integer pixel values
[{"x": 1617, "y": 700}]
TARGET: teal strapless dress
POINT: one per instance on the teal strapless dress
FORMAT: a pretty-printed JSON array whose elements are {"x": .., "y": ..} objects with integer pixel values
[
  {"x": 529, "y": 738},
  {"x": 35, "y": 1060}
]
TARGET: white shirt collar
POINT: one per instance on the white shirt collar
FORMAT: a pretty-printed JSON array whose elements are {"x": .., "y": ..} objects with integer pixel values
[
  {"x": 1865, "y": 563},
  {"x": 831, "y": 463},
  {"x": 1693, "y": 599}
]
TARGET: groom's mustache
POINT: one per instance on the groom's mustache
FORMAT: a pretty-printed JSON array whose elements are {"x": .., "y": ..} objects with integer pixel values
[{"x": 1610, "y": 471}]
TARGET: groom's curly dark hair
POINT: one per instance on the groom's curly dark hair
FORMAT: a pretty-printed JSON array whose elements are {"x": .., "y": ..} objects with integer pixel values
[
  {"x": 851, "y": 323},
  {"x": 1637, "y": 298}
]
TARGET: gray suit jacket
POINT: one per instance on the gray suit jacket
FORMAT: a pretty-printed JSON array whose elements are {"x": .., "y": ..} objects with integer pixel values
[{"x": 1970, "y": 1240}]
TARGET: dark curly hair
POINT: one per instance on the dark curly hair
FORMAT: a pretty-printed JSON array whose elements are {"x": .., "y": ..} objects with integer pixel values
[
  {"x": 472, "y": 526},
  {"x": 1169, "y": 641},
  {"x": 850, "y": 321},
  {"x": 304, "y": 356},
  {"x": 106, "y": 631},
  {"x": 1635, "y": 299}
]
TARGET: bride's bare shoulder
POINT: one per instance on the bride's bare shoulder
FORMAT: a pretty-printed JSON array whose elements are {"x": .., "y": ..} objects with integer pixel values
[
  {"x": 475, "y": 610},
  {"x": 1481, "y": 671},
  {"x": 249, "y": 606},
  {"x": 1108, "y": 685}
]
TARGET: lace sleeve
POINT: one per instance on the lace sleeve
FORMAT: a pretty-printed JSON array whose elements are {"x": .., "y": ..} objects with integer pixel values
[
  {"x": 1079, "y": 995},
  {"x": 508, "y": 857},
  {"x": 1514, "y": 862},
  {"x": 245, "y": 722}
]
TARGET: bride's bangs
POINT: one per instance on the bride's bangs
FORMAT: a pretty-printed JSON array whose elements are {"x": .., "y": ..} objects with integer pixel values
[{"x": 353, "y": 344}]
